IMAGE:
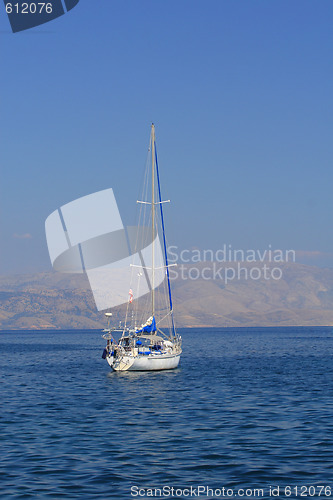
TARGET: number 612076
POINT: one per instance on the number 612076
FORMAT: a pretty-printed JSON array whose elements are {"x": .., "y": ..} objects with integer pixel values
[{"x": 32, "y": 8}]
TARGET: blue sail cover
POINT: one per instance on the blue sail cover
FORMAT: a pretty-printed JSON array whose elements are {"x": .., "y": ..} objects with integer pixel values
[
  {"x": 164, "y": 242},
  {"x": 149, "y": 327}
]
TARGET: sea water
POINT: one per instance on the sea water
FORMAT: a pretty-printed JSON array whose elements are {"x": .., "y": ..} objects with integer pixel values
[{"x": 248, "y": 413}]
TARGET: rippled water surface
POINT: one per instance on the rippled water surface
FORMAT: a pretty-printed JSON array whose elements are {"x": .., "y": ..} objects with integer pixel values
[{"x": 246, "y": 408}]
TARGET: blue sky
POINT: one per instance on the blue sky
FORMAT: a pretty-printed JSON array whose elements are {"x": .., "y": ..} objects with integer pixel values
[{"x": 241, "y": 95}]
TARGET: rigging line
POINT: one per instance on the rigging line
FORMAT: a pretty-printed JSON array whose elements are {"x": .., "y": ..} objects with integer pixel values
[
  {"x": 164, "y": 241},
  {"x": 139, "y": 232},
  {"x": 144, "y": 269},
  {"x": 164, "y": 317}
]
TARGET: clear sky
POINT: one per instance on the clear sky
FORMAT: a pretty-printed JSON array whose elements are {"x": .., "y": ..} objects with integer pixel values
[{"x": 241, "y": 94}]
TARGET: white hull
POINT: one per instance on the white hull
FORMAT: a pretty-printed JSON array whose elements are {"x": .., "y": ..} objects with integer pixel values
[{"x": 144, "y": 363}]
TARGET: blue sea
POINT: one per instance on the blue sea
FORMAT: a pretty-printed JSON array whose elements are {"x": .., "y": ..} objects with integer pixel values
[{"x": 248, "y": 414}]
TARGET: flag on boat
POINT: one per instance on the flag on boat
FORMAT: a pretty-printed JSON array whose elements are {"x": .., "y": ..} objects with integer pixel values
[
  {"x": 149, "y": 326},
  {"x": 130, "y": 296}
]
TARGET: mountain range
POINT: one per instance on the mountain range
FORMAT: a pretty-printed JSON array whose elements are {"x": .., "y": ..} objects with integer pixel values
[{"x": 205, "y": 295}]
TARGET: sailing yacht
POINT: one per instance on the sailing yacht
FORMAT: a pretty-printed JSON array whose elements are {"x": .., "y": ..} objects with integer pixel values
[{"x": 148, "y": 339}]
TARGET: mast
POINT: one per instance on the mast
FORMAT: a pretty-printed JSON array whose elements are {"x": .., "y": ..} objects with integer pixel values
[{"x": 153, "y": 215}]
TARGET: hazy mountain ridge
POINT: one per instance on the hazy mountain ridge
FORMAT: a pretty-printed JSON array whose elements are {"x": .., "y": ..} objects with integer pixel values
[{"x": 303, "y": 296}]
